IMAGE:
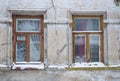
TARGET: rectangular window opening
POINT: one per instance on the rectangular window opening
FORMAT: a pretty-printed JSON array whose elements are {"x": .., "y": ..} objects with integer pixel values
[
  {"x": 28, "y": 41},
  {"x": 87, "y": 32}
]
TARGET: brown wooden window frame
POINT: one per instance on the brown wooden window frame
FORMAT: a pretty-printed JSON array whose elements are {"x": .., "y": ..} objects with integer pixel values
[
  {"x": 100, "y": 32},
  {"x": 27, "y": 35}
]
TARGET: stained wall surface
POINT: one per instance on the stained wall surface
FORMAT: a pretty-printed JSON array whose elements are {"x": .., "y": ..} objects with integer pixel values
[{"x": 58, "y": 37}]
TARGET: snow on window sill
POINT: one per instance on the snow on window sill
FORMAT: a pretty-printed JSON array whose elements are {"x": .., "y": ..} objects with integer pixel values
[
  {"x": 91, "y": 64},
  {"x": 23, "y": 66},
  {"x": 27, "y": 63},
  {"x": 3, "y": 66}
]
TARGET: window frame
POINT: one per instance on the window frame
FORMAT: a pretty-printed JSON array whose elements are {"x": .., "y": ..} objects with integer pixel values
[
  {"x": 87, "y": 33},
  {"x": 27, "y": 35}
]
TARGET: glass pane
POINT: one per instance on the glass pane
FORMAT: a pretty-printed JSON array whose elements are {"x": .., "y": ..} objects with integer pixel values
[
  {"x": 28, "y": 25},
  {"x": 80, "y": 53},
  {"x": 21, "y": 38},
  {"x": 20, "y": 52},
  {"x": 94, "y": 48},
  {"x": 87, "y": 24},
  {"x": 34, "y": 47}
]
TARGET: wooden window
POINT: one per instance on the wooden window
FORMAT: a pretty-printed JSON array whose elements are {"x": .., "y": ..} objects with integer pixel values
[
  {"x": 28, "y": 38},
  {"x": 87, "y": 36}
]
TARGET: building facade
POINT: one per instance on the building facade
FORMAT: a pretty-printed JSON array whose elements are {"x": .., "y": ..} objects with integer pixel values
[{"x": 59, "y": 40}]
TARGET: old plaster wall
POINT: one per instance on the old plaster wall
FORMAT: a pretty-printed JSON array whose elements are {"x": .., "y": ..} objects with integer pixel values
[
  {"x": 58, "y": 27},
  {"x": 58, "y": 38},
  {"x": 60, "y": 76}
]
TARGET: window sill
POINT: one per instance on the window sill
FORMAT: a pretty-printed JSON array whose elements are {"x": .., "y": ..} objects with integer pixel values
[
  {"x": 27, "y": 66},
  {"x": 90, "y": 64},
  {"x": 93, "y": 66}
]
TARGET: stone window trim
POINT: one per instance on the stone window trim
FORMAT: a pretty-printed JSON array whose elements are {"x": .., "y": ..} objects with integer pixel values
[
  {"x": 87, "y": 33},
  {"x": 88, "y": 12},
  {"x": 27, "y": 11},
  {"x": 17, "y": 11},
  {"x": 15, "y": 33}
]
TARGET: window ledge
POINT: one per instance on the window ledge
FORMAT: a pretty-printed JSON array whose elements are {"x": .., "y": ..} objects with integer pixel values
[
  {"x": 94, "y": 68},
  {"x": 3, "y": 66},
  {"x": 92, "y": 64},
  {"x": 23, "y": 66}
]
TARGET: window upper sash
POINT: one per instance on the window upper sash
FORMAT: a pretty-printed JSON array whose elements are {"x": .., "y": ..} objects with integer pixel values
[
  {"x": 27, "y": 25},
  {"x": 86, "y": 24}
]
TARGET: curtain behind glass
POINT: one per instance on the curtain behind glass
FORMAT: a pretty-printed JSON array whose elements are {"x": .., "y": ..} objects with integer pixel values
[
  {"x": 21, "y": 52},
  {"x": 86, "y": 24},
  {"x": 34, "y": 47},
  {"x": 94, "y": 48},
  {"x": 28, "y": 25},
  {"x": 80, "y": 53}
]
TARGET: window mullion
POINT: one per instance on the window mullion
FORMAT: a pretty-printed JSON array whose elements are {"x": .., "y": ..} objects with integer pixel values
[
  {"x": 87, "y": 48},
  {"x": 28, "y": 48}
]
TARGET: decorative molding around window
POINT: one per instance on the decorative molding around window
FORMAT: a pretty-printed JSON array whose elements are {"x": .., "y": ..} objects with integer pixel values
[
  {"x": 88, "y": 12},
  {"x": 22, "y": 12},
  {"x": 117, "y": 2},
  {"x": 28, "y": 38},
  {"x": 87, "y": 35},
  {"x": 27, "y": 11}
]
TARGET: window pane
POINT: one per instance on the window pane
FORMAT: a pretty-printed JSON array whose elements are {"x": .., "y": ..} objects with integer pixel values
[
  {"x": 34, "y": 47},
  {"x": 80, "y": 53},
  {"x": 94, "y": 48},
  {"x": 20, "y": 52},
  {"x": 21, "y": 38},
  {"x": 28, "y": 25},
  {"x": 87, "y": 24}
]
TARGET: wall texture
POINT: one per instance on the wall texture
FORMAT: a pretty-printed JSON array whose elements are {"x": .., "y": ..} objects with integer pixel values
[
  {"x": 58, "y": 38},
  {"x": 60, "y": 75}
]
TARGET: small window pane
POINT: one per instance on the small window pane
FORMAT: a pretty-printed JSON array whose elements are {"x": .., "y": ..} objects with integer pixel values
[
  {"x": 28, "y": 25},
  {"x": 87, "y": 24},
  {"x": 20, "y": 52},
  {"x": 94, "y": 48},
  {"x": 34, "y": 47},
  {"x": 21, "y": 38},
  {"x": 80, "y": 54}
]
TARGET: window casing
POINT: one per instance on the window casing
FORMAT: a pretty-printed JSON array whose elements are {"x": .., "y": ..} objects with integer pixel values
[
  {"x": 28, "y": 38},
  {"x": 87, "y": 38}
]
